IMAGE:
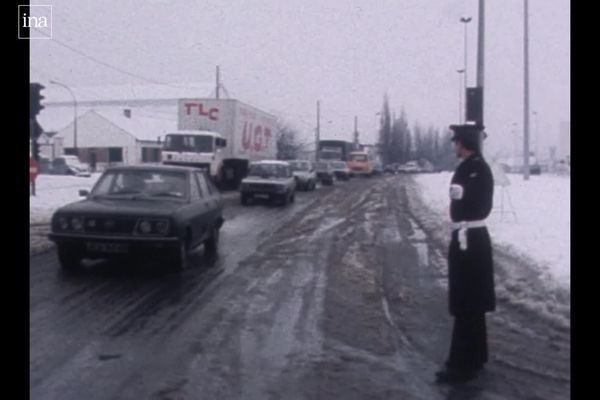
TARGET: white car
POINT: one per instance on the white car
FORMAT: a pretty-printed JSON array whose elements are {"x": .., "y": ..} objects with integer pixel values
[
  {"x": 268, "y": 180},
  {"x": 305, "y": 174}
]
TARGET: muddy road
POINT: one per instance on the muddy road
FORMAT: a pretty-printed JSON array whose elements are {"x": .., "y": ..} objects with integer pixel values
[{"x": 341, "y": 295}]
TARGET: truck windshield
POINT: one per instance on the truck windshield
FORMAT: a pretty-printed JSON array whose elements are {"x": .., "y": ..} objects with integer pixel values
[
  {"x": 195, "y": 143},
  {"x": 331, "y": 154}
]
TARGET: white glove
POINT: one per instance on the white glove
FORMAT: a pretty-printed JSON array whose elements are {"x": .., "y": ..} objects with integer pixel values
[{"x": 456, "y": 192}]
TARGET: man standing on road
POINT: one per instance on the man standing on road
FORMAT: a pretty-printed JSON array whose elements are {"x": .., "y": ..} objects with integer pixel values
[{"x": 470, "y": 266}]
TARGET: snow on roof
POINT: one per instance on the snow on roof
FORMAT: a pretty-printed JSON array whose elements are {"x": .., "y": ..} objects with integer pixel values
[{"x": 142, "y": 127}]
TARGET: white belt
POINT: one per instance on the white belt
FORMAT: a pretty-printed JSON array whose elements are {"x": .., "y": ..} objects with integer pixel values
[{"x": 462, "y": 230}]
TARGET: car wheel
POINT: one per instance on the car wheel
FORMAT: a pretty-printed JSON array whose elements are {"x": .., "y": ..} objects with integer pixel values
[
  {"x": 244, "y": 199},
  {"x": 293, "y": 198},
  {"x": 180, "y": 256},
  {"x": 284, "y": 199},
  {"x": 69, "y": 259},
  {"x": 211, "y": 245}
]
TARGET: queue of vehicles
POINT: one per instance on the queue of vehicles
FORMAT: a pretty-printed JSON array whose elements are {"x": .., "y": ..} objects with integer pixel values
[{"x": 164, "y": 211}]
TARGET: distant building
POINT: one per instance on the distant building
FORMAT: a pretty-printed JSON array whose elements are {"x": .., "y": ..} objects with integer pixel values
[
  {"x": 116, "y": 125},
  {"x": 108, "y": 138}
]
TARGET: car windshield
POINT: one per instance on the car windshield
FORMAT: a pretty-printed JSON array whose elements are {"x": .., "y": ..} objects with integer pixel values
[
  {"x": 268, "y": 171},
  {"x": 142, "y": 183},
  {"x": 358, "y": 157},
  {"x": 300, "y": 166}
]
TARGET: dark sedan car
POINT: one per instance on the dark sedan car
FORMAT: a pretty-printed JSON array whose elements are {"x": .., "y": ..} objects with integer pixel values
[{"x": 162, "y": 211}]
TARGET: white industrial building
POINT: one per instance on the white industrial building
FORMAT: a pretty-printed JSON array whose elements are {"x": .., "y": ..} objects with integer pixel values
[{"x": 116, "y": 125}]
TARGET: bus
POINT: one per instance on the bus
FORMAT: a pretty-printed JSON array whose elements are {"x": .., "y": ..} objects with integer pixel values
[{"x": 360, "y": 163}]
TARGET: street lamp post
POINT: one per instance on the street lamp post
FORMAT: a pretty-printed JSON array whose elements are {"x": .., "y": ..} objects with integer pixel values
[
  {"x": 74, "y": 113},
  {"x": 535, "y": 127},
  {"x": 465, "y": 20},
  {"x": 460, "y": 92}
]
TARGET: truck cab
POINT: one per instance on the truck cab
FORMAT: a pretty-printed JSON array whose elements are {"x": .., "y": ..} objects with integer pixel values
[{"x": 200, "y": 149}]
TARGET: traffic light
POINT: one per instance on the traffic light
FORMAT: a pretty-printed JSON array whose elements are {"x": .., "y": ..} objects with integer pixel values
[
  {"x": 475, "y": 105},
  {"x": 35, "y": 99}
]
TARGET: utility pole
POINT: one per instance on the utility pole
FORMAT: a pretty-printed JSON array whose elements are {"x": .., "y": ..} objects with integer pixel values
[
  {"x": 461, "y": 88},
  {"x": 480, "y": 66},
  {"x": 218, "y": 83},
  {"x": 526, "y": 94},
  {"x": 356, "y": 130},
  {"x": 318, "y": 133}
]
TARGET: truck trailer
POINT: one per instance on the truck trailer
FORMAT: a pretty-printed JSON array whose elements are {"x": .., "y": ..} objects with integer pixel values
[{"x": 221, "y": 136}]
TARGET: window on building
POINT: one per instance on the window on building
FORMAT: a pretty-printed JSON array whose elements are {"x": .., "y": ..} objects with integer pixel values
[{"x": 115, "y": 154}]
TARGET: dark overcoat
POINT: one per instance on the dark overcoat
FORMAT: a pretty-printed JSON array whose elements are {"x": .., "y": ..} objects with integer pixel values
[{"x": 471, "y": 271}]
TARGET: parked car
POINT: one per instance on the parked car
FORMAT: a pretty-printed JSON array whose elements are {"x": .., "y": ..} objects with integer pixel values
[
  {"x": 140, "y": 210},
  {"x": 324, "y": 172},
  {"x": 410, "y": 167},
  {"x": 305, "y": 174},
  {"x": 269, "y": 180},
  {"x": 340, "y": 170},
  {"x": 69, "y": 165}
]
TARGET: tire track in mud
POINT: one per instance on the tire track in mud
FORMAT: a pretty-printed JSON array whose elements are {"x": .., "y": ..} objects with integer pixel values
[{"x": 102, "y": 310}]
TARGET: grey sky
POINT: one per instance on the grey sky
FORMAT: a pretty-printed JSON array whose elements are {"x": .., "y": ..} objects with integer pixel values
[{"x": 285, "y": 55}]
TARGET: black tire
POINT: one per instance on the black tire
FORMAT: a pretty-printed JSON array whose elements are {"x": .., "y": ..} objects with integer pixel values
[
  {"x": 244, "y": 199},
  {"x": 211, "y": 245},
  {"x": 70, "y": 260},
  {"x": 179, "y": 257},
  {"x": 293, "y": 197},
  {"x": 284, "y": 199}
]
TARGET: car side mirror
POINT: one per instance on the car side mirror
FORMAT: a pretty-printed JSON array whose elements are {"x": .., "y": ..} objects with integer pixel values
[{"x": 84, "y": 193}]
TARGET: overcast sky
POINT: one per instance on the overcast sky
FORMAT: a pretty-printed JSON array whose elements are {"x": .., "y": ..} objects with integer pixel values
[{"x": 285, "y": 55}]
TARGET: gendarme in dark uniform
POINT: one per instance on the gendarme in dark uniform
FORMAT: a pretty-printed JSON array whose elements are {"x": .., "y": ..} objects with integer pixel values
[{"x": 470, "y": 266}]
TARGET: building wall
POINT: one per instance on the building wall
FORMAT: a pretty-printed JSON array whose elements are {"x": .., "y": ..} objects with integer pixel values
[{"x": 95, "y": 131}]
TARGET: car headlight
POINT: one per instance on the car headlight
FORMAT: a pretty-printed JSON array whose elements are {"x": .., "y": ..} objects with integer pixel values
[
  {"x": 77, "y": 223},
  {"x": 147, "y": 226},
  {"x": 63, "y": 223},
  {"x": 162, "y": 227}
]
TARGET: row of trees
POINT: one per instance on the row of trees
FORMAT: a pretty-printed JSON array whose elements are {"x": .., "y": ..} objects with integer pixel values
[{"x": 398, "y": 144}]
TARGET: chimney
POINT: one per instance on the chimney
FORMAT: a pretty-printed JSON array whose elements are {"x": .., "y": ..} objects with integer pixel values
[{"x": 127, "y": 113}]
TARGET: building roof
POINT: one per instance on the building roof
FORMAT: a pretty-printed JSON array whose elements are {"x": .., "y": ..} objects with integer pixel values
[{"x": 142, "y": 127}]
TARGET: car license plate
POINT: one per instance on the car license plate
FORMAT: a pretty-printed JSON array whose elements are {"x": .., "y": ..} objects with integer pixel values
[
  {"x": 261, "y": 196},
  {"x": 118, "y": 248}
]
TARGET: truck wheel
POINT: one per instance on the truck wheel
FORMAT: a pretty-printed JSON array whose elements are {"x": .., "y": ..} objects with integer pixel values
[
  {"x": 70, "y": 259},
  {"x": 211, "y": 245}
]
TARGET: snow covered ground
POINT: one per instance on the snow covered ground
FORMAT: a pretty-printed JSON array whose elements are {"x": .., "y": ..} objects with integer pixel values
[
  {"x": 54, "y": 191},
  {"x": 531, "y": 218}
]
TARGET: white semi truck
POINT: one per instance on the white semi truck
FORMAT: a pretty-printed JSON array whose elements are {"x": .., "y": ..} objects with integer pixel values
[{"x": 221, "y": 136}]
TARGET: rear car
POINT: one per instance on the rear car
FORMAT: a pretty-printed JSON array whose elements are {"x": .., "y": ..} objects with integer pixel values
[
  {"x": 268, "y": 180},
  {"x": 325, "y": 173},
  {"x": 304, "y": 173},
  {"x": 340, "y": 170},
  {"x": 69, "y": 165},
  {"x": 140, "y": 212}
]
